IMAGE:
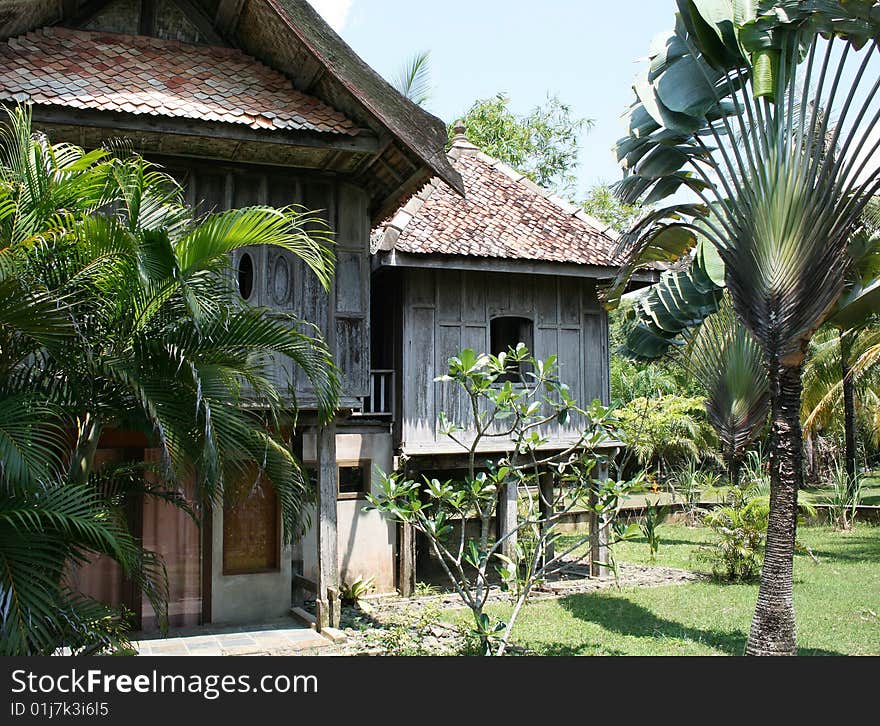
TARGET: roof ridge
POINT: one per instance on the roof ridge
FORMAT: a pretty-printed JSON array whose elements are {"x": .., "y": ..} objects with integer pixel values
[
  {"x": 550, "y": 195},
  {"x": 391, "y": 231},
  {"x": 394, "y": 228}
]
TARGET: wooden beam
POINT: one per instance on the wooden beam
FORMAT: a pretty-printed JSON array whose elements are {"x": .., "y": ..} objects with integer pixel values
[
  {"x": 392, "y": 202},
  {"x": 203, "y": 23},
  {"x": 546, "y": 506},
  {"x": 148, "y": 17},
  {"x": 485, "y": 264},
  {"x": 363, "y": 143},
  {"x": 506, "y": 516},
  {"x": 327, "y": 600},
  {"x": 226, "y": 18},
  {"x": 599, "y": 535},
  {"x": 369, "y": 161},
  {"x": 74, "y": 18},
  {"x": 387, "y": 167},
  {"x": 406, "y": 559}
]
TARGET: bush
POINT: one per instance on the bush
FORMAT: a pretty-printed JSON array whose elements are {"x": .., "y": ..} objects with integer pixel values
[
  {"x": 741, "y": 530},
  {"x": 844, "y": 497},
  {"x": 666, "y": 432}
]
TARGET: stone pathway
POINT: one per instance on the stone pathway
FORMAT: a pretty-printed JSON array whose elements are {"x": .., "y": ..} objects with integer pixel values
[
  {"x": 283, "y": 637},
  {"x": 367, "y": 628}
]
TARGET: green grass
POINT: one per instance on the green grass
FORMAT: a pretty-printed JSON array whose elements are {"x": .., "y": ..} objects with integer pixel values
[
  {"x": 837, "y": 602},
  {"x": 871, "y": 490}
]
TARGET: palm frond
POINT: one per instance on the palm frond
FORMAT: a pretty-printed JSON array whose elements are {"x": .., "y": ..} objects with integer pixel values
[
  {"x": 727, "y": 361},
  {"x": 414, "y": 79}
]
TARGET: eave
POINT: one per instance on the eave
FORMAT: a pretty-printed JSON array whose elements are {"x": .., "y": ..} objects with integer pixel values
[{"x": 406, "y": 260}]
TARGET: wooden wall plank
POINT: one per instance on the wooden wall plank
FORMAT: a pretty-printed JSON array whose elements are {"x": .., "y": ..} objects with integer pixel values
[
  {"x": 596, "y": 372},
  {"x": 437, "y": 327},
  {"x": 418, "y": 376},
  {"x": 449, "y": 396},
  {"x": 449, "y": 294}
]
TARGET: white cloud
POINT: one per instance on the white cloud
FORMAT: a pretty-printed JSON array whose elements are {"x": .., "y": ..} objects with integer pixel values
[{"x": 335, "y": 12}]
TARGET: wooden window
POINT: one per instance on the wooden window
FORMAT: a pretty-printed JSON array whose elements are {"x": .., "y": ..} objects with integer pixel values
[
  {"x": 509, "y": 332},
  {"x": 353, "y": 478},
  {"x": 246, "y": 275},
  {"x": 252, "y": 534}
]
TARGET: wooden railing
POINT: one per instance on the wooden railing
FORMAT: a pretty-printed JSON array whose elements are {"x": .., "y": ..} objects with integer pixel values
[{"x": 380, "y": 402}]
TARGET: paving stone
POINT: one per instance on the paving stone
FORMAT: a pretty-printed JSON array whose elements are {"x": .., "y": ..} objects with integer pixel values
[{"x": 334, "y": 635}]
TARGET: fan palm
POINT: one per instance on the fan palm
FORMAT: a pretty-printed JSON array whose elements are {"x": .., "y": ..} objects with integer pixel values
[
  {"x": 117, "y": 311},
  {"x": 729, "y": 110},
  {"x": 726, "y": 360}
]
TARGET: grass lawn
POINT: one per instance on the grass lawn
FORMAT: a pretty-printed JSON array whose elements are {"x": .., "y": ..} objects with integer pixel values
[
  {"x": 871, "y": 490},
  {"x": 837, "y": 603}
]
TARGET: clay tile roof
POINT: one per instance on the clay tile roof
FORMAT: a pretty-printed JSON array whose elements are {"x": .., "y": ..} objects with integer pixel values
[
  {"x": 503, "y": 215},
  {"x": 147, "y": 76}
]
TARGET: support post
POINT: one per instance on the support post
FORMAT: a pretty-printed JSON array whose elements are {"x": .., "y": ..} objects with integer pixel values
[
  {"x": 327, "y": 604},
  {"x": 506, "y": 519},
  {"x": 598, "y": 530},
  {"x": 406, "y": 559},
  {"x": 547, "y": 509}
]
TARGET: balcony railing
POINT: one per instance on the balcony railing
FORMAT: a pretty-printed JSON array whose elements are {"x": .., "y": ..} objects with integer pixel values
[{"x": 380, "y": 402}]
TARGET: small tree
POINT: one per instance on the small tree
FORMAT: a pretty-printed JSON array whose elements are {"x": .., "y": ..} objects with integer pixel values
[{"x": 512, "y": 399}]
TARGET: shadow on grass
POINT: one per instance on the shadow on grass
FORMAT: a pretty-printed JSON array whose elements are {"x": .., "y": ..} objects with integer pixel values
[
  {"x": 851, "y": 548},
  {"x": 617, "y": 614}
]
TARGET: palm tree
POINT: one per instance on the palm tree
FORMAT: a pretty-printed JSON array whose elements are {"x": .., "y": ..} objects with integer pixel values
[
  {"x": 825, "y": 389},
  {"x": 729, "y": 110},
  {"x": 726, "y": 360},
  {"x": 854, "y": 311},
  {"x": 116, "y": 311},
  {"x": 684, "y": 297},
  {"x": 414, "y": 79}
]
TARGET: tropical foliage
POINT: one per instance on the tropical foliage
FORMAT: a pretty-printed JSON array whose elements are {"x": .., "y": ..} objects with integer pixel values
[
  {"x": 117, "y": 313},
  {"x": 515, "y": 418},
  {"x": 736, "y": 108},
  {"x": 414, "y": 79},
  {"x": 666, "y": 432},
  {"x": 726, "y": 360}
]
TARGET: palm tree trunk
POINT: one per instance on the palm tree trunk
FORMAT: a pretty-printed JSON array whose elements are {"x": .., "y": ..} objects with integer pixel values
[
  {"x": 734, "y": 468},
  {"x": 849, "y": 411},
  {"x": 773, "y": 627}
]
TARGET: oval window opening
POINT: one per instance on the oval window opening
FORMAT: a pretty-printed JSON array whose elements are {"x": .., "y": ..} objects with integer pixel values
[{"x": 246, "y": 276}]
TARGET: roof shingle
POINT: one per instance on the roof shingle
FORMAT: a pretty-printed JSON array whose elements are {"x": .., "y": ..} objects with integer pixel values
[
  {"x": 149, "y": 76},
  {"x": 503, "y": 215}
]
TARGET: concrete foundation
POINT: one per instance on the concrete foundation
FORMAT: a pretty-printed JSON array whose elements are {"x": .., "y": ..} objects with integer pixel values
[{"x": 367, "y": 541}]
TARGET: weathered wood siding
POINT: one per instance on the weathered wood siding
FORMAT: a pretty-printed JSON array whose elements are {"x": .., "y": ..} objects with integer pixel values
[
  {"x": 284, "y": 283},
  {"x": 445, "y": 311}
]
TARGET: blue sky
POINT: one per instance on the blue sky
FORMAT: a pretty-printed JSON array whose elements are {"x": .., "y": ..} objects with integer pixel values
[{"x": 585, "y": 52}]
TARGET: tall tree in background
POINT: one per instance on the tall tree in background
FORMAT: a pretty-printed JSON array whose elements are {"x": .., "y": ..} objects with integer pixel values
[
  {"x": 729, "y": 109},
  {"x": 543, "y": 144},
  {"x": 603, "y": 204}
]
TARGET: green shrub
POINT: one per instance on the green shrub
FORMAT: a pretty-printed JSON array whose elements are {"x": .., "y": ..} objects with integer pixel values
[
  {"x": 738, "y": 552},
  {"x": 843, "y": 498},
  {"x": 351, "y": 593}
]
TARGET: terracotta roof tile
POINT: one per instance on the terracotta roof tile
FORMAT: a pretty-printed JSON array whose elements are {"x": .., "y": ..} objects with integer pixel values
[
  {"x": 107, "y": 72},
  {"x": 503, "y": 215}
]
